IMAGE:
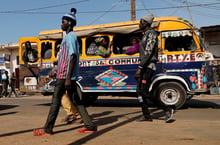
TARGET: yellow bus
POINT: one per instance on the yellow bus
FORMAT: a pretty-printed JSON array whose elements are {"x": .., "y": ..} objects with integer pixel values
[{"x": 182, "y": 69}]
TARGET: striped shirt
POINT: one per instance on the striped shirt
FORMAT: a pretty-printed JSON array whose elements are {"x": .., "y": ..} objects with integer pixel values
[{"x": 69, "y": 46}]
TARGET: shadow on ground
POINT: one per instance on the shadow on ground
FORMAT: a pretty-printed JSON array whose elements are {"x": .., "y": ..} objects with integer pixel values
[
  {"x": 118, "y": 103},
  {"x": 99, "y": 121},
  {"x": 5, "y": 107},
  {"x": 193, "y": 103}
]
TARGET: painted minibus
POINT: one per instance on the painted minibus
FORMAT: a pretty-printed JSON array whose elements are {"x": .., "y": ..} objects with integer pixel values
[{"x": 183, "y": 68}]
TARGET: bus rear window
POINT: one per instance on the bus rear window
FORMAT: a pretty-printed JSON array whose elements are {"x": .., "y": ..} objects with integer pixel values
[{"x": 29, "y": 52}]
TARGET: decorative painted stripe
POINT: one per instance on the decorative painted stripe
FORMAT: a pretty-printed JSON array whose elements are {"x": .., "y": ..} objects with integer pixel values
[
  {"x": 198, "y": 79},
  {"x": 110, "y": 88}
]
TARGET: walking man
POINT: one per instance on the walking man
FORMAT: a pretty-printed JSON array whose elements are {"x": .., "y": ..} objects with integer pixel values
[
  {"x": 67, "y": 74},
  {"x": 12, "y": 85},
  {"x": 147, "y": 67},
  {"x": 5, "y": 82}
]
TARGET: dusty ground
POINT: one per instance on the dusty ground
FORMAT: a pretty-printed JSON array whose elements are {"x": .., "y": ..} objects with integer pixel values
[{"x": 197, "y": 124}]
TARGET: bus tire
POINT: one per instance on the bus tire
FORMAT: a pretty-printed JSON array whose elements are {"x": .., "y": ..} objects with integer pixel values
[{"x": 171, "y": 94}]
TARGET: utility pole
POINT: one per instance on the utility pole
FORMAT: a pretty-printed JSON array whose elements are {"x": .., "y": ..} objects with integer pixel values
[{"x": 133, "y": 11}]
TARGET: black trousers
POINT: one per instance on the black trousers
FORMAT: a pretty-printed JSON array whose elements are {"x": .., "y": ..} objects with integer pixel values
[
  {"x": 143, "y": 90},
  {"x": 56, "y": 102},
  {"x": 144, "y": 83},
  {"x": 5, "y": 88}
]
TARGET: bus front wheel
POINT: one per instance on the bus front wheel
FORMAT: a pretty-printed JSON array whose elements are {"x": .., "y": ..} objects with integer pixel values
[{"x": 170, "y": 94}]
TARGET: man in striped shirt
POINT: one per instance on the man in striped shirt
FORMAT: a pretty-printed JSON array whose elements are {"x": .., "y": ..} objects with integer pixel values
[{"x": 67, "y": 75}]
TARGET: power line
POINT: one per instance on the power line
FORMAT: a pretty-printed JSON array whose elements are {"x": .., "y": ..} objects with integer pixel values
[
  {"x": 171, "y": 4},
  {"x": 210, "y": 7},
  {"x": 145, "y": 6},
  {"x": 105, "y": 13},
  {"x": 85, "y": 12},
  {"x": 214, "y": 16},
  {"x": 34, "y": 9}
]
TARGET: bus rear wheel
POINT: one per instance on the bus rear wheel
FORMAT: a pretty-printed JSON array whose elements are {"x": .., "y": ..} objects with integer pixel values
[{"x": 171, "y": 94}]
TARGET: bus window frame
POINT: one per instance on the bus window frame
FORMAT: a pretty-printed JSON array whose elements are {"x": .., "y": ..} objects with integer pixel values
[
  {"x": 32, "y": 40},
  {"x": 164, "y": 51},
  {"x": 52, "y": 47},
  {"x": 84, "y": 45}
]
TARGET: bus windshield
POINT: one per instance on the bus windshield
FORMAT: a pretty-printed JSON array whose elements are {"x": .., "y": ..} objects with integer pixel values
[{"x": 202, "y": 43}]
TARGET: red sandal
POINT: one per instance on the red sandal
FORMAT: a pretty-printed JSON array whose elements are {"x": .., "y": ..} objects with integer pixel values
[
  {"x": 84, "y": 130},
  {"x": 40, "y": 132}
]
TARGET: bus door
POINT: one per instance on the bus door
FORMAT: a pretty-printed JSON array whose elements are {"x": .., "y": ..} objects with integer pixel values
[
  {"x": 28, "y": 63},
  {"x": 48, "y": 51}
]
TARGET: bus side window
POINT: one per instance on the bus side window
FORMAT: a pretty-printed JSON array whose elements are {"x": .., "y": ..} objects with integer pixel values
[
  {"x": 46, "y": 50},
  {"x": 181, "y": 43},
  {"x": 58, "y": 45},
  {"x": 92, "y": 49},
  {"x": 118, "y": 44},
  {"x": 122, "y": 42},
  {"x": 91, "y": 46}
]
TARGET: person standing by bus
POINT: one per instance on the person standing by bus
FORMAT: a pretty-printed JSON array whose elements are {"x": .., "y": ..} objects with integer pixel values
[
  {"x": 103, "y": 50},
  {"x": 5, "y": 82},
  {"x": 67, "y": 75},
  {"x": 12, "y": 85},
  {"x": 30, "y": 54},
  {"x": 147, "y": 67}
]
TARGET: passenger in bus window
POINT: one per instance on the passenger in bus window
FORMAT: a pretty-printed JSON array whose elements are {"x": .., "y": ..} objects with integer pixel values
[
  {"x": 66, "y": 80},
  {"x": 48, "y": 54},
  {"x": 30, "y": 55},
  {"x": 147, "y": 67},
  {"x": 46, "y": 50},
  {"x": 92, "y": 50},
  {"x": 103, "y": 49},
  {"x": 135, "y": 41}
]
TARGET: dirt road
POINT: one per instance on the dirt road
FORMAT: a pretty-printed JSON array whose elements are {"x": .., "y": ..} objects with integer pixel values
[{"x": 198, "y": 123}]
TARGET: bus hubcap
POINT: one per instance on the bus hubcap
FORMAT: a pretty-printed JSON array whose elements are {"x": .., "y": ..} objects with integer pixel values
[{"x": 170, "y": 96}]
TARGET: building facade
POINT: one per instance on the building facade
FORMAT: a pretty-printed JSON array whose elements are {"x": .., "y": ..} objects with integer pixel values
[
  {"x": 211, "y": 36},
  {"x": 9, "y": 57}
]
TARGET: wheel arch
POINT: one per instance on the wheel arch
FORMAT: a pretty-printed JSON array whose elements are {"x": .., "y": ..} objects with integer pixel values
[{"x": 166, "y": 78}]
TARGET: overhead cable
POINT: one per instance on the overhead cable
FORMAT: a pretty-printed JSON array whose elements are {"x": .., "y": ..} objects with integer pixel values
[{"x": 161, "y": 8}]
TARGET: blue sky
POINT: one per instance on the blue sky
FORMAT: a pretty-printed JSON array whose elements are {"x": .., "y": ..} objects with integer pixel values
[{"x": 26, "y": 18}]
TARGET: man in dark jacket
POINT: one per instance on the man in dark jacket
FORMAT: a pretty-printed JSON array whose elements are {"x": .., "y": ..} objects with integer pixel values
[{"x": 147, "y": 67}]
